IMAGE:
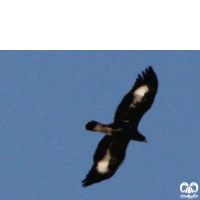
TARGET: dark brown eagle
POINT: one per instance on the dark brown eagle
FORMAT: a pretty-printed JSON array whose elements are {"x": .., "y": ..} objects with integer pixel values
[{"x": 111, "y": 150}]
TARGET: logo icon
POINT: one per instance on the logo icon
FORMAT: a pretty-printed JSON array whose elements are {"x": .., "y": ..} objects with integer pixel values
[{"x": 190, "y": 189}]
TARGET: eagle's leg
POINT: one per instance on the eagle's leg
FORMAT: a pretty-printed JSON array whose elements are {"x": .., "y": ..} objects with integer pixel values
[{"x": 96, "y": 126}]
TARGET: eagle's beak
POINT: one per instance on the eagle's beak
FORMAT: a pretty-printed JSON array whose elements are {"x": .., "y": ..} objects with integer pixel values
[{"x": 145, "y": 141}]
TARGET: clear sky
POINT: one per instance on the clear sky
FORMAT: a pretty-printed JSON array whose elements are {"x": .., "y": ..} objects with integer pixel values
[{"x": 48, "y": 96}]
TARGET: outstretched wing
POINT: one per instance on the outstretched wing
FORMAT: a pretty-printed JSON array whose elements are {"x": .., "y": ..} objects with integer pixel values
[
  {"x": 108, "y": 156},
  {"x": 139, "y": 99}
]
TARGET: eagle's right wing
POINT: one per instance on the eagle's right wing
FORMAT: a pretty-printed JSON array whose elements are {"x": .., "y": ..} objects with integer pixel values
[{"x": 109, "y": 154}]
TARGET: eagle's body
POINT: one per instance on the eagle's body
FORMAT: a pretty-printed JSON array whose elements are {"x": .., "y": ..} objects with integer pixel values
[{"x": 111, "y": 150}]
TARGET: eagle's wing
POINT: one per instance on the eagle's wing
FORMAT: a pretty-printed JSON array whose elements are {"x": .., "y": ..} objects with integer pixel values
[
  {"x": 108, "y": 156},
  {"x": 139, "y": 99}
]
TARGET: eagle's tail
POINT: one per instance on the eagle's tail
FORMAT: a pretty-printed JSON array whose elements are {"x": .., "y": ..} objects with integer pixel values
[{"x": 96, "y": 126}]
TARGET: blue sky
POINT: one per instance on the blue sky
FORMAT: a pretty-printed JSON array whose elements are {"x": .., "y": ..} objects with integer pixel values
[{"x": 48, "y": 96}]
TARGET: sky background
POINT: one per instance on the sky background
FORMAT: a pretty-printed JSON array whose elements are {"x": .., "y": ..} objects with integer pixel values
[{"x": 48, "y": 96}]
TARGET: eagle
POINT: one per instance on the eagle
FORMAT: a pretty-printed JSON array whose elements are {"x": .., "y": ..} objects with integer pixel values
[{"x": 111, "y": 150}]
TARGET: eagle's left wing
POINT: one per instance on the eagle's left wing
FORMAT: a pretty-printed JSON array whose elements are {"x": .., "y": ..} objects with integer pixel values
[
  {"x": 109, "y": 154},
  {"x": 139, "y": 99}
]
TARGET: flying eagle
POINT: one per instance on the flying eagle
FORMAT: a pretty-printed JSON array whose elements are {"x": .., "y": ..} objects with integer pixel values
[{"x": 111, "y": 150}]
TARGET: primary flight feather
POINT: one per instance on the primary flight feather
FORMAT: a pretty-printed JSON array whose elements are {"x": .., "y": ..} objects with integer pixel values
[{"x": 111, "y": 150}]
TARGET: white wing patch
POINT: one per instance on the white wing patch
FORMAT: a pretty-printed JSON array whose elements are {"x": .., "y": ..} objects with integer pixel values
[
  {"x": 141, "y": 90},
  {"x": 102, "y": 166},
  {"x": 138, "y": 95}
]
